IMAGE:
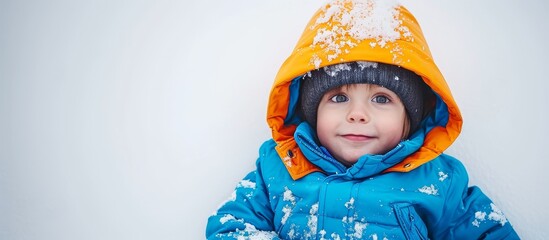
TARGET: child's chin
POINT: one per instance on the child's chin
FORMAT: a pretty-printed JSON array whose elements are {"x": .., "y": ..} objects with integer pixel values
[
  {"x": 349, "y": 161},
  {"x": 352, "y": 159}
]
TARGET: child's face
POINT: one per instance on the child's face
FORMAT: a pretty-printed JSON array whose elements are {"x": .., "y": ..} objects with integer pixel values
[{"x": 359, "y": 119}]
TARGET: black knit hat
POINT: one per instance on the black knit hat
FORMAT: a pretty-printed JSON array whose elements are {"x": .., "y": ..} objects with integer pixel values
[{"x": 409, "y": 87}]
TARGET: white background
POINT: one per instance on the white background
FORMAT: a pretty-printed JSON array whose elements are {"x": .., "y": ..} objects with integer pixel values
[{"x": 124, "y": 119}]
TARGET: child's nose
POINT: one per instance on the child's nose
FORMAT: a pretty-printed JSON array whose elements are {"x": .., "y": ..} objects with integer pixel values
[{"x": 358, "y": 115}]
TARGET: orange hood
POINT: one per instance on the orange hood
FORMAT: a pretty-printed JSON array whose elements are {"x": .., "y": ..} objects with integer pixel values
[{"x": 360, "y": 30}]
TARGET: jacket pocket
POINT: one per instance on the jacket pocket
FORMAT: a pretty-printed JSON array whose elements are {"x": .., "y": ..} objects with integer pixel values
[{"x": 410, "y": 222}]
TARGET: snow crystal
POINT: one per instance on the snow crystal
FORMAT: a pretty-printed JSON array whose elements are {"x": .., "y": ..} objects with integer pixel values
[
  {"x": 345, "y": 23},
  {"x": 226, "y": 218},
  {"x": 429, "y": 190},
  {"x": 335, "y": 236},
  {"x": 249, "y": 227},
  {"x": 333, "y": 70},
  {"x": 396, "y": 51},
  {"x": 316, "y": 61},
  {"x": 313, "y": 219},
  {"x": 322, "y": 234},
  {"x": 442, "y": 176},
  {"x": 479, "y": 217},
  {"x": 229, "y": 217},
  {"x": 291, "y": 233},
  {"x": 246, "y": 184},
  {"x": 314, "y": 209},
  {"x": 359, "y": 229},
  {"x": 253, "y": 233},
  {"x": 232, "y": 198},
  {"x": 350, "y": 203},
  {"x": 366, "y": 64},
  {"x": 374, "y": 237},
  {"x": 347, "y": 219},
  {"x": 287, "y": 210},
  {"x": 497, "y": 215},
  {"x": 288, "y": 195}
]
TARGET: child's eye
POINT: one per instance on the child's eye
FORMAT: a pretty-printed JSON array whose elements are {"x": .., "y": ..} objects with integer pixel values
[
  {"x": 381, "y": 99},
  {"x": 339, "y": 98}
]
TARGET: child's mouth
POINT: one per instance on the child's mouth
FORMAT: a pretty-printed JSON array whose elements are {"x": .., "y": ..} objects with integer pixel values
[{"x": 356, "y": 137}]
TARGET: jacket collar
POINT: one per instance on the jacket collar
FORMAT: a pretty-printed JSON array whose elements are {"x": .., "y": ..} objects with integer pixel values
[{"x": 366, "y": 166}]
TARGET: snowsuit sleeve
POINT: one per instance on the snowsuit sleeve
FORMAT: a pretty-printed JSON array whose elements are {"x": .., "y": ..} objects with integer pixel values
[
  {"x": 470, "y": 214},
  {"x": 246, "y": 214}
]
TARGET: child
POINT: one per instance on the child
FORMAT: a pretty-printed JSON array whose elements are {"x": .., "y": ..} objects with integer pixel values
[{"x": 360, "y": 117}]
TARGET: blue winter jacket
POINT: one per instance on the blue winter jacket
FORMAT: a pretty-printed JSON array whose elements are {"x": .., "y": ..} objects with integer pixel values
[
  {"x": 431, "y": 202},
  {"x": 414, "y": 191}
]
